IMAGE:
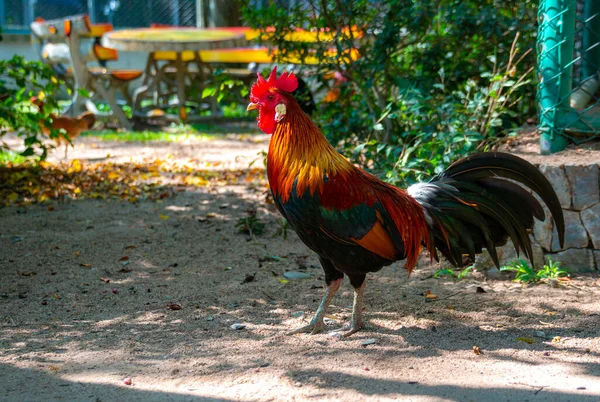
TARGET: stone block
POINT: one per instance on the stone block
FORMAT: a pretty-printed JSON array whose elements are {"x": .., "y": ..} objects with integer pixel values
[
  {"x": 575, "y": 260},
  {"x": 543, "y": 230},
  {"x": 584, "y": 185},
  {"x": 558, "y": 178},
  {"x": 597, "y": 259},
  {"x": 590, "y": 218},
  {"x": 575, "y": 234}
]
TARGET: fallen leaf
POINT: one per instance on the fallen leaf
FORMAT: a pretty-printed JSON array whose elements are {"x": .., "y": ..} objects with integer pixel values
[
  {"x": 85, "y": 265},
  {"x": 105, "y": 280},
  {"x": 124, "y": 258},
  {"x": 163, "y": 217},
  {"x": 54, "y": 369},
  {"x": 430, "y": 296},
  {"x": 77, "y": 253},
  {"x": 174, "y": 306},
  {"x": 283, "y": 280},
  {"x": 127, "y": 381},
  {"x": 527, "y": 340},
  {"x": 129, "y": 247},
  {"x": 556, "y": 339},
  {"x": 477, "y": 350},
  {"x": 27, "y": 273}
]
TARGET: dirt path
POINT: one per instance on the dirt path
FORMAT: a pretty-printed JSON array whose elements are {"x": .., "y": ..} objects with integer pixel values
[{"x": 78, "y": 317}]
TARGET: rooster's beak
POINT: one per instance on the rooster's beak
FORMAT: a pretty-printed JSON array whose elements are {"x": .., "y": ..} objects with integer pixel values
[{"x": 252, "y": 106}]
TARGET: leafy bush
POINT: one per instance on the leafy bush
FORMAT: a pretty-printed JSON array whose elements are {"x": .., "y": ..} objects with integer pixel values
[
  {"x": 20, "y": 80},
  {"x": 435, "y": 80}
]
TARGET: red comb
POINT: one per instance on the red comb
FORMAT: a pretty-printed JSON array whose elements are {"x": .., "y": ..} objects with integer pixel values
[{"x": 286, "y": 82}]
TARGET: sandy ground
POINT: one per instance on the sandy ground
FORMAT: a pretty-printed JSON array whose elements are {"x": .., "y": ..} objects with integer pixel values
[{"x": 78, "y": 317}]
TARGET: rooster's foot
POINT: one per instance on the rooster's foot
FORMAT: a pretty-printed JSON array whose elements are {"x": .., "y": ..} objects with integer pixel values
[
  {"x": 313, "y": 328},
  {"x": 352, "y": 328}
]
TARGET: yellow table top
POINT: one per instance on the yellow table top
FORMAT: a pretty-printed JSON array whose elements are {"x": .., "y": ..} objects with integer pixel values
[{"x": 162, "y": 39}]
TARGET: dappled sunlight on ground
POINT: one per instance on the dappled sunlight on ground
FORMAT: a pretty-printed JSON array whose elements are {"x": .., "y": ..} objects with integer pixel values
[{"x": 95, "y": 291}]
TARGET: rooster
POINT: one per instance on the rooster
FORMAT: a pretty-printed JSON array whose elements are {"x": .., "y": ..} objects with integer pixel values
[
  {"x": 72, "y": 126},
  {"x": 358, "y": 224}
]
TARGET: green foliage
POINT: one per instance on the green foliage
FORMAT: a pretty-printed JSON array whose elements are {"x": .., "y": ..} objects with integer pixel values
[
  {"x": 250, "y": 225},
  {"x": 435, "y": 80},
  {"x": 283, "y": 229},
  {"x": 20, "y": 80},
  {"x": 526, "y": 274},
  {"x": 11, "y": 157},
  {"x": 460, "y": 274},
  {"x": 552, "y": 270}
]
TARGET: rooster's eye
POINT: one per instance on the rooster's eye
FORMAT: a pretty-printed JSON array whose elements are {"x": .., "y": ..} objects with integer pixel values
[{"x": 270, "y": 97}]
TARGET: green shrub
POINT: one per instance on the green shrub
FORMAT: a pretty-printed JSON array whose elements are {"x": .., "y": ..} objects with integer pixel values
[
  {"x": 435, "y": 80},
  {"x": 20, "y": 80}
]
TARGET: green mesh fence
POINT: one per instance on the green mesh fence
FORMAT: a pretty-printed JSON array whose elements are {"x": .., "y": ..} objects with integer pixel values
[{"x": 568, "y": 66}]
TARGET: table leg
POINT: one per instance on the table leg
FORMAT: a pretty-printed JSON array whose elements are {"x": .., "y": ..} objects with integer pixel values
[
  {"x": 180, "y": 67},
  {"x": 152, "y": 82},
  {"x": 109, "y": 95}
]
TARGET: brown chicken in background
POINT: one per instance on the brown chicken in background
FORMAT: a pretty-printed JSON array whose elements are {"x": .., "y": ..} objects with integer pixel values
[{"x": 72, "y": 126}]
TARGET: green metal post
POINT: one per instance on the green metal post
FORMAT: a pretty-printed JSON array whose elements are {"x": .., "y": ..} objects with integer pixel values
[
  {"x": 591, "y": 39},
  {"x": 555, "y": 46}
]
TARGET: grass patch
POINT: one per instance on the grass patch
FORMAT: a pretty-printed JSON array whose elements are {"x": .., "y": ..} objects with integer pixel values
[{"x": 148, "y": 136}]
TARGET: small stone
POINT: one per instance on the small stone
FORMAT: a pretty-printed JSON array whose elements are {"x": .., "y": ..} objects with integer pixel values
[
  {"x": 298, "y": 314},
  {"x": 368, "y": 342},
  {"x": 493, "y": 273},
  {"x": 540, "y": 334},
  {"x": 237, "y": 326},
  {"x": 210, "y": 318},
  {"x": 296, "y": 275}
]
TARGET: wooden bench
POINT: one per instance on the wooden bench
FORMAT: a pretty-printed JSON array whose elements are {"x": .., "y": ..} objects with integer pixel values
[{"x": 97, "y": 80}]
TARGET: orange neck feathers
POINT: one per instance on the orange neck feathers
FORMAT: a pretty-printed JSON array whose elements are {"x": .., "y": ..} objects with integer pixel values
[{"x": 299, "y": 151}]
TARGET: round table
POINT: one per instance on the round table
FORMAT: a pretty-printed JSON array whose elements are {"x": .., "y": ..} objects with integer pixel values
[{"x": 171, "y": 39}]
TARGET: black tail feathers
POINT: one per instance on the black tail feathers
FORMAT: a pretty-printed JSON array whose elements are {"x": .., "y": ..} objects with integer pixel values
[{"x": 477, "y": 203}]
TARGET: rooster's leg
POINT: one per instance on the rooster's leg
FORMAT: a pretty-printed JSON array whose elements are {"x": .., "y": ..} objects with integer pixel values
[
  {"x": 316, "y": 325},
  {"x": 356, "y": 324}
]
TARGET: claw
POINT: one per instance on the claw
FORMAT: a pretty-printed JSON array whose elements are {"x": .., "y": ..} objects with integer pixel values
[
  {"x": 354, "y": 328},
  {"x": 313, "y": 328}
]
